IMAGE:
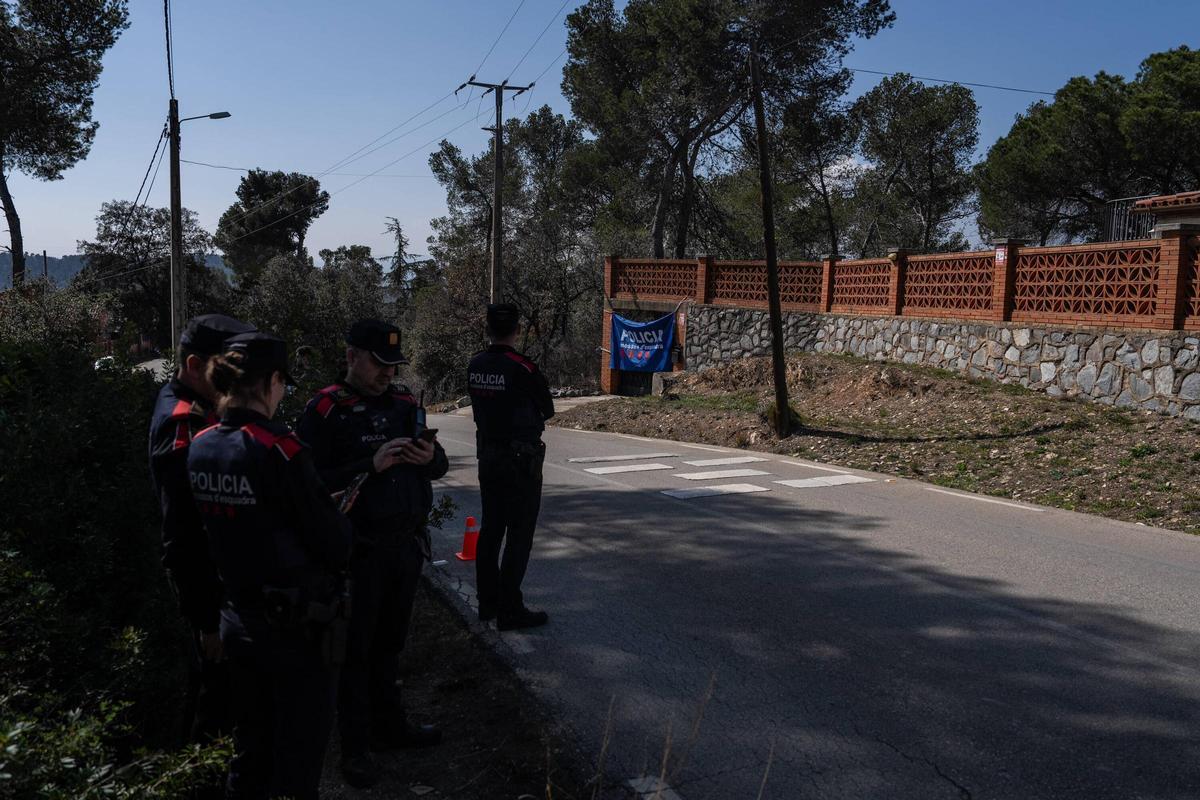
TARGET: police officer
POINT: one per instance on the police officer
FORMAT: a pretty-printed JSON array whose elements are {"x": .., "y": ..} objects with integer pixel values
[
  {"x": 185, "y": 405},
  {"x": 511, "y": 402},
  {"x": 365, "y": 431},
  {"x": 279, "y": 544}
]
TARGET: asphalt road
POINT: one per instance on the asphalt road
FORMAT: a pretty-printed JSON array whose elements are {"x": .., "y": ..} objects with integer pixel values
[{"x": 875, "y": 639}]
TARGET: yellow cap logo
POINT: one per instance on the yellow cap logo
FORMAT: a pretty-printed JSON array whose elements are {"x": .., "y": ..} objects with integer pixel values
[{"x": 393, "y": 339}]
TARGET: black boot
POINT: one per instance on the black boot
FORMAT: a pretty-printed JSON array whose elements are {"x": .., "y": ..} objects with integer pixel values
[{"x": 521, "y": 618}]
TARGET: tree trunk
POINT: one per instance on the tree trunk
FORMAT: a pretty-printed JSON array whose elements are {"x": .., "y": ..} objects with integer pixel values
[
  {"x": 14, "y": 232},
  {"x": 830, "y": 223},
  {"x": 685, "y": 205},
  {"x": 658, "y": 232}
]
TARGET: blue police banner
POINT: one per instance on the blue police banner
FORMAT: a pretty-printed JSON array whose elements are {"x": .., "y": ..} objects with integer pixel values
[{"x": 642, "y": 346}]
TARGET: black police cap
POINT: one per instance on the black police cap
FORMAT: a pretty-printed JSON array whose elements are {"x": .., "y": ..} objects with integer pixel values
[
  {"x": 263, "y": 352},
  {"x": 206, "y": 334},
  {"x": 381, "y": 339},
  {"x": 502, "y": 318}
]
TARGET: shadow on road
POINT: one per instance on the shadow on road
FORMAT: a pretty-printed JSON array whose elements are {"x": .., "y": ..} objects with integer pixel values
[{"x": 868, "y": 671}]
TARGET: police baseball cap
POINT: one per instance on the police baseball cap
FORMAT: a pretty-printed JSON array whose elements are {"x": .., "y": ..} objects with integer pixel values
[
  {"x": 502, "y": 318},
  {"x": 206, "y": 334},
  {"x": 263, "y": 352},
  {"x": 381, "y": 339}
]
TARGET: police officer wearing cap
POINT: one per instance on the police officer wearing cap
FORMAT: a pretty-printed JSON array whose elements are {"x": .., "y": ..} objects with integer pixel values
[
  {"x": 280, "y": 546},
  {"x": 185, "y": 405},
  {"x": 366, "y": 432},
  {"x": 511, "y": 401}
]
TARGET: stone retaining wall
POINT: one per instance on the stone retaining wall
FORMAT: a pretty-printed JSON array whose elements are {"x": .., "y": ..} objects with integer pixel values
[{"x": 1153, "y": 371}]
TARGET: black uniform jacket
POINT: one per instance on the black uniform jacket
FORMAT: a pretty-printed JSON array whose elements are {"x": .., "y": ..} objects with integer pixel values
[
  {"x": 270, "y": 519},
  {"x": 178, "y": 415},
  {"x": 509, "y": 396},
  {"x": 345, "y": 429}
]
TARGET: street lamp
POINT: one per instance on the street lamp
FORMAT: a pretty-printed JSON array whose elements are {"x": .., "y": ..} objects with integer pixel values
[{"x": 178, "y": 276}]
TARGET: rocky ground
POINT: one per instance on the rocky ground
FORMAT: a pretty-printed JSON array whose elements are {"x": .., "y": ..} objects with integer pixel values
[{"x": 935, "y": 426}]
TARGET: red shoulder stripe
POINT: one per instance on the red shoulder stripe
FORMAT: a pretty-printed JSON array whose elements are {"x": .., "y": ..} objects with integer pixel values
[
  {"x": 206, "y": 430},
  {"x": 324, "y": 404},
  {"x": 183, "y": 434},
  {"x": 285, "y": 443},
  {"x": 520, "y": 359},
  {"x": 182, "y": 409}
]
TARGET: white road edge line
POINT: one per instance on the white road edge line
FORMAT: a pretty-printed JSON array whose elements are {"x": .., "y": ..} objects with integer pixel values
[
  {"x": 986, "y": 500},
  {"x": 814, "y": 466}
]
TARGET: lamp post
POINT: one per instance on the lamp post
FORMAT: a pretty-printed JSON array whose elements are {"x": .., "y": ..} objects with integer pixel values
[{"x": 178, "y": 274}]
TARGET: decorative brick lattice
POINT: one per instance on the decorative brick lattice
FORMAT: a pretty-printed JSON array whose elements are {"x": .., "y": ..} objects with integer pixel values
[
  {"x": 953, "y": 282},
  {"x": 862, "y": 283},
  {"x": 1109, "y": 281},
  {"x": 800, "y": 283},
  {"x": 663, "y": 278},
  {"x": 745, "y": 283},
  {"x": 1191, "y": 284}
]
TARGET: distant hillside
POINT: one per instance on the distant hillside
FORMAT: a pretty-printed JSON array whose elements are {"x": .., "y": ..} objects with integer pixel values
[{"x": 62, "y": 269}]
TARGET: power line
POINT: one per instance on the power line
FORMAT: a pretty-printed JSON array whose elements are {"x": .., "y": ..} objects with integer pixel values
[
  {"x": 360, "y": 180},
  {"x": 353, "y": 157},
  {"x": 154, "y": 177},
  {"x": 498, "y": 38},
  {"x": 548, "y": 66},
  {"x": 342, "y": 174},
  {"x": 535, "y": 41},
  {"x": 170, "y": 63},
  {"x": 947, "y": 80}
]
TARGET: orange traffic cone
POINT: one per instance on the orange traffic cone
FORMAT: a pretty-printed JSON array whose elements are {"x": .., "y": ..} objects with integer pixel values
[{"x": 470, "y": 539}]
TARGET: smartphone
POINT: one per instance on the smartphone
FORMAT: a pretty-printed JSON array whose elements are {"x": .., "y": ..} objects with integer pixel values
[{"x": 428, "y": 434}]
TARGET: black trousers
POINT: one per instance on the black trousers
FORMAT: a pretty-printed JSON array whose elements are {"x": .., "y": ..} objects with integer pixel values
[
  {"x": 207, "y": 713},
  {"x": 510, "y": 489},
  {"x": 385, "y": 577},
  {"x": 283, "y": 695}
]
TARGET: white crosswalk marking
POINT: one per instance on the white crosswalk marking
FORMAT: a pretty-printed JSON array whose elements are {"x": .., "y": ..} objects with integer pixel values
[
  {"x": 832, "y": 480},
  {"x": 626, "y": 468},
  {"x": 720, "y": 473},
  {"x": 638, "y": 457},
  {"x": 721, "y": 462},
  {"x": 709, "y": 491}
]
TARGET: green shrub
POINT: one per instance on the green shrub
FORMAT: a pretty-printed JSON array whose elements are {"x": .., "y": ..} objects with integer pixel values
[{"x": 92, "y": 650}]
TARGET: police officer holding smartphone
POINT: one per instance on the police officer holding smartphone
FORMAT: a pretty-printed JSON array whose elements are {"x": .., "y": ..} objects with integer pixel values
[{"x": 366, "y": 432}]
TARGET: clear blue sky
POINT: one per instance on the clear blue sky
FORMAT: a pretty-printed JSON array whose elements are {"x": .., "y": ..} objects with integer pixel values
[{"x": 309, "y": 82}]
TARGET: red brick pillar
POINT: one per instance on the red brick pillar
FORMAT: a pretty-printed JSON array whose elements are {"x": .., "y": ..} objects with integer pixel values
[
  {"x": 899, "y": 258},
  {"x": 827, "y": 264},
  {"x": 1004, "y": 278},
  {"x": 704, "y": 266},
  {"x": 610, "y": 379},
  {"x": 1173, "y": 253}
]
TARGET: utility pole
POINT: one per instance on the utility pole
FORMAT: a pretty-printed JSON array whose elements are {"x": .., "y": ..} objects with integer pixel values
[
  {"x": 45, "y": 266},
  {"x": 178, "y": 285},
  {"x": 783, "y": 410},
  {"x": 497, "y": 283}
]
